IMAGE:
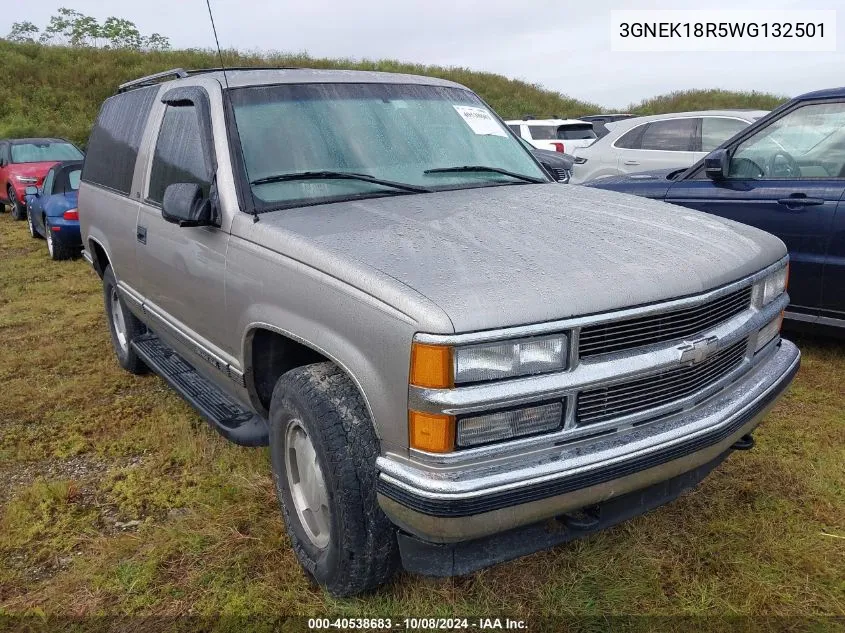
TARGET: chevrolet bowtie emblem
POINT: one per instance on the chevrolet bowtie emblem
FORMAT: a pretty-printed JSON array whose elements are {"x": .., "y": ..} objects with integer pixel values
[{"x": 695, "y": 352}]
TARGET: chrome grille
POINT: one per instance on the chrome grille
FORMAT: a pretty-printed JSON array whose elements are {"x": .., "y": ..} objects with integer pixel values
[
  {"x": 617, "y": 336},
  {"x": 599, "y": 405}
]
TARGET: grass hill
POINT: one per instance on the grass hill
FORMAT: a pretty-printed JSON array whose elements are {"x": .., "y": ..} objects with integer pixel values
[
  {"x": 57, "y": 91},
  {"x": 690, "y": 100}
]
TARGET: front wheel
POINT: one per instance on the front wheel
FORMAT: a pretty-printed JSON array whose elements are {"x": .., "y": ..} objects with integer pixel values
[
  {"x": 18, "y": 212},
  {"x": 323, "y": 449},
  {"x": 123, "y": 326},
  {"x": 32, "y": 232}
]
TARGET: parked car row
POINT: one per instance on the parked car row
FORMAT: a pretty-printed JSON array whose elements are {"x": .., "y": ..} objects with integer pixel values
[{"x": 40, "y": 177}]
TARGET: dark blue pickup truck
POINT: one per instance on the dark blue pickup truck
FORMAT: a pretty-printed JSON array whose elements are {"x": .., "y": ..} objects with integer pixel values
[{"x": 784, "y": 174}]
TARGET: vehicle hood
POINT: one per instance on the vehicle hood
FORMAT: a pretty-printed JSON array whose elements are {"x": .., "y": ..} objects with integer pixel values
[
  {"x": 650, "y": 184},
  {"x": 512, "y": 255}
]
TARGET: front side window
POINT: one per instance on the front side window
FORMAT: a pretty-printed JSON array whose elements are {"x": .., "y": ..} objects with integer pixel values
[
  {"x": 808, "y": 142},
  {"x": 47, "y": 186},
  {"x": 515, "y": 129},
  {"x": 46, "y": 152},
  {"x": 178, "y": 155},
  {"x": 392, "y": 132},
  {"x": 674, "y": 135},
  {"x": 715, "y": 130}
]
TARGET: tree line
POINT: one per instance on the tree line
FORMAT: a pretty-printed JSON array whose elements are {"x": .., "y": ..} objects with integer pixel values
[{"x": 71, "y": 28}]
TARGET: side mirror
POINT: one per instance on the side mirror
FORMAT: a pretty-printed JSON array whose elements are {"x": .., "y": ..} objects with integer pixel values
[
  {"x": 184, "y": 204},
  {"x": 31, "y": 191},
  {"x": 3, "y": 162},
  {"x": 717, "y": 164}
]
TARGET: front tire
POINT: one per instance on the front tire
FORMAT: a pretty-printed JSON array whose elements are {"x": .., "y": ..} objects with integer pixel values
[
  {"x": 32, "y": 232},
  {"x": 18, "y": 212},
  {"x": 323, "y": 449},
  {"x": 123, "y": 326}
]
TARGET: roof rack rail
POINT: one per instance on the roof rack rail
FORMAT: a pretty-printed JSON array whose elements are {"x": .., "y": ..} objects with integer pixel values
[
  {"x": 181, "y": 73},
  {"x": 199, "y": 71},
  {"x": 177, "y": 73}
]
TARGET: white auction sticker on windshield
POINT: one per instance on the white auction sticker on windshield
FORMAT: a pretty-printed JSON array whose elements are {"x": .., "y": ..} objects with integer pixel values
[{"x": 480, "y": 120}]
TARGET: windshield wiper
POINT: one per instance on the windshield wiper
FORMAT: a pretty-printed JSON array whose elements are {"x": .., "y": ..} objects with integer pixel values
[
  {"x": 484, "y": 168},
  {"x": 338, "y": 175}
]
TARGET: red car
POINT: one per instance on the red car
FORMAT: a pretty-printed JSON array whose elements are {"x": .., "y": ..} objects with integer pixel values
[{"x": 24, "y": 162}]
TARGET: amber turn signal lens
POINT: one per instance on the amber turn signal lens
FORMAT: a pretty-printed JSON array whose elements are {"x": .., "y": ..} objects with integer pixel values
[
  {"x": 431, "y": 366},
  {"x": 431, "y": 432}
]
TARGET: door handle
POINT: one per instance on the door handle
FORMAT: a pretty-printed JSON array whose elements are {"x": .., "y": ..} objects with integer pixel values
[
  {"x": 141, "y": 234},
  {"x": 797, "y": 201},
  {"x": 631, "y": 162}
]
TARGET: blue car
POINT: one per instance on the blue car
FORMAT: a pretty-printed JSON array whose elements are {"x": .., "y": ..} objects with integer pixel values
[
  {"x": 52, "y": 210},
  {"x": 785, "y": 174}
]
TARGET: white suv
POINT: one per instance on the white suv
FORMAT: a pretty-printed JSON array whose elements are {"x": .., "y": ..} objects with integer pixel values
[
  {"x": 557, "y": 135},
  {"x": 662, "y": 141}
]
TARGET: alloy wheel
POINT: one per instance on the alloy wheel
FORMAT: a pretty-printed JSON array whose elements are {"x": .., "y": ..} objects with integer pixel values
[{"x": 307, "y": 486}]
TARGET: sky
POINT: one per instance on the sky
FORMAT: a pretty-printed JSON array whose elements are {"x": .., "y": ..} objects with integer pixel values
[{"x": 563, "y": 45}]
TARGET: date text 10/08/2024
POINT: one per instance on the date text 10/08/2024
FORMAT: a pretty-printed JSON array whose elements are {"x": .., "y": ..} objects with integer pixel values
[{"x": 446, "y": 624}]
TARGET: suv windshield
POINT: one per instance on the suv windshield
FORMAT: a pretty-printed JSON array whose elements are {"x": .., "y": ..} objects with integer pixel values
[
  {"x": 396, "y": 133},
  {"x": 43, "y": 152}
]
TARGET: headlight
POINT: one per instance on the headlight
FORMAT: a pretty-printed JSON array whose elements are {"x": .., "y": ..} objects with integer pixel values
[
  {"x": 768, "y": 332},
  {"x": 444, "y": 366},
  {"x": 774, "y": 285},
  {"x": 506, "y": 425},
  {"x": 509, "y": 359},
  {"x": 27, "y": 179}
]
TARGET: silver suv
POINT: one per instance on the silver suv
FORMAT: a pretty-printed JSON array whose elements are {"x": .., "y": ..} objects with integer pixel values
[{"x": 453, "y": 361}]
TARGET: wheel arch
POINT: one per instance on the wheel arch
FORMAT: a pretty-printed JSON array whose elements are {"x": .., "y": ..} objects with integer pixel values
[
  {"x": 269, "y": 351},
  {"x": 99, "y": 256}
]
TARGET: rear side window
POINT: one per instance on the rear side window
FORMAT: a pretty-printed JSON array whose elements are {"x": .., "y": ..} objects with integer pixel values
[
  {"x": 543, "y": 132},
  {"x": 115, "y": 139},
  {"x": 675, "y": 135},
  {"x": 73, "y": 179},
  {"x": 576, "y": 132},
  {"x": 631, "y": 139},
  {"x": 178, "y": 155},
  {"x": 515, "y": 130}
]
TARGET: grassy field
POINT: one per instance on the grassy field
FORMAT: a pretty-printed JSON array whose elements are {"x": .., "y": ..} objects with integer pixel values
[{"x": 118, "y": 499}]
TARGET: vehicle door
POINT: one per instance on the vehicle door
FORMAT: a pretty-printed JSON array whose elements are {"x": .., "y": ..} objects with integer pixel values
[
  {"x": 786, "y": 177},
  {"x": 35, "y": 204},
  {"x": 833, "y": 290},
  {"x": 5, "y": 157},
  {"x": 662, "y": 145},
  {"x": 183, "y": 268},
  {"x": 713, "y": 131}
]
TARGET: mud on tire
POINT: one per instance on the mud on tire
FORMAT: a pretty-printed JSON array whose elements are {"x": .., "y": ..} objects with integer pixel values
[{"x": 362, "y": 551}]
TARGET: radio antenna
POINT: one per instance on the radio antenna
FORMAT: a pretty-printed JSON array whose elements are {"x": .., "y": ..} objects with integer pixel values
[{"x": 216, "y": 41}]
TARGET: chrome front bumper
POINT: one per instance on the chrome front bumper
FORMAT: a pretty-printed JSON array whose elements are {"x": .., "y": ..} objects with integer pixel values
[{"x": 459, "y": 504}]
